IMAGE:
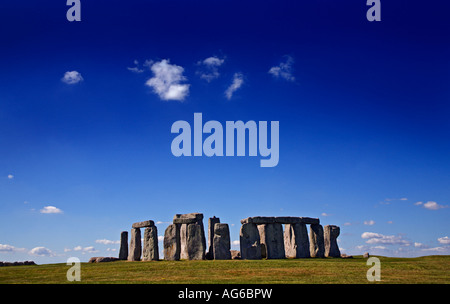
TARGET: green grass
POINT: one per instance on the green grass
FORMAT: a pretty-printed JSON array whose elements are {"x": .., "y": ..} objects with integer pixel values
[{"x": 429, "y": 269}]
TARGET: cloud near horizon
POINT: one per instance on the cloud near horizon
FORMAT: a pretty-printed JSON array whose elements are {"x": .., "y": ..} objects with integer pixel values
[{"x": 50, "y": 210}]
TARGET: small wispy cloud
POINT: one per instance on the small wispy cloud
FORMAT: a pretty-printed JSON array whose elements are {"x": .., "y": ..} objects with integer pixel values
[
  {"x": 106, "y": 242},
  {"x": 325, "y": 214},
  {"x": 369, "y": 222},
  {"x": 10, "y": 176},
  {"x": 283, "y": 70},
  {"x": 238, "y": 81},
  {"x": 51, "y": 209},
  {"x": 41, "y": 251},
  {"x": 444, "y": 240},
  {"x": 72, "y": 77},
  {"x": 378, "y": 238},
  {"x": 209, "y": 68},
  {"x": 167, "y": 81},
  {"x": 430, "y": 205}
]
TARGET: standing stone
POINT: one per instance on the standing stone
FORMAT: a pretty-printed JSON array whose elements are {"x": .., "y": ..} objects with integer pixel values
[
  {"x": 183, "y": 242},
  {"x": 316, "y": 242},
  {"x": 134, "y": 253},
  {"x": 151, "y": 250},
  {"x": 195, "y": 245},
  {"x": 221, "y": 242},
  {"x": 262, "y": 240},
  {"x": 123, "y": 253},
  {"x": 272, "y": 236},
  {"x": 172, "y": 245},
  {"x": 296, "y": 241},
  {"x": 250, "y": 242},
  {"x": 211, "y": 222},
  {"x": 330, "y": 234}
]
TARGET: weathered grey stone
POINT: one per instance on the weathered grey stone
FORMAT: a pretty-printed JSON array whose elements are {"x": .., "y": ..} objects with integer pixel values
[
  {"x": 235, "y": 254},
  {"x": 134, "y": 254},
  {"x": 262, "y": 240},
  {"x": 330, "y": 234},
  {"x": 183, "y": 242},
  {"x": 296, "y": 241},
  {"x": 280, "y": 220},
  {"x": 250, "y": 242},
  {"x": 172, "y": 245},
  {"x": 316, "y": 241},
  {"x": 211, "y": 222},
  {"x": 271, "y": 235},
  {"x": 143, "y": 224},
  {"x": 123, "y": 253},
  {"x": 102, "y": 259},
  {"x": 366, "y": 255},
  {"x": 221, "y": 242},
  {"x": 150, "y": 251},
  {"x": 188, "y": 218},
  {"x": 195, "y": 242},
  {"x": 258, "y": 220}
]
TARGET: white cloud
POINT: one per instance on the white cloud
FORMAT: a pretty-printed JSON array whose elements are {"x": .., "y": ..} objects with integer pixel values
[
  {"x": 89, "y": 249},
  {"x": 378, "y": 238},
  {"x": 369, "y": 223},
  {"x": 41, "y": 251},
  {"x": 433, "y": 206},
  {"x": 209, "y": 68},
  {"x": 420, "y": 245},
  {"x": 106, "y": 242},
  {"x": 72, "y": 77},
  {"x": 160, "y": 238},
  {"x": 283, "y": 70},
  {"x": 10, "y": 176},
  {"x": 167, "y": 79},
  {"x": 325, "y": 214},
  {"x": 9, "y": 248},
  {"x": 418, "y": 203},
  {"x": 235, "y": 243},
  {"x": 444, "y": 240},
  {"x": 238, "y": 81},
  {"x": 50, "y": 209}
]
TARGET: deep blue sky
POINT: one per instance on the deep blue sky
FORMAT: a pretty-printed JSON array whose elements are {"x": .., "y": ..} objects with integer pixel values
[{"x": 364, "y": 124}]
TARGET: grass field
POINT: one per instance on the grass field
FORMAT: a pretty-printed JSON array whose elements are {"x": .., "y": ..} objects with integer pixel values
[{"x": 429, "y": 269}]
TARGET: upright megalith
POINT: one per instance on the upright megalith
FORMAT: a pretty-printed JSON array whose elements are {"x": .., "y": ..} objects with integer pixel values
[
  {"x": 316, "y": 241},
  {"x": 172, "y": 245},
  {"x": 271, "y": 235},
  {"x": 296, "y": 242},
  {"x": 134, "y": 253},
  {"x": 123, "y": 252},
  {"x": 194, "y": 242},
  {"x": 221, "y": 242},
  {"x": 192, "y": 239},
  {"x": 250, "y": 242},
  {"x": 331, "y": 233},
  {"x": 211, "y": 222},
  {"x": 150, "y": 251}
]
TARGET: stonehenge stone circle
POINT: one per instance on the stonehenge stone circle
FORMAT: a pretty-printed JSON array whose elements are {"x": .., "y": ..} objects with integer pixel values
[
  {"x": 260, "y": 237},
  {"x": 250, "y": 242},
  {"x": 221, "y": 242},
  {"x": 316, "y": 242},
  {"x": 150, "y": 251},
  {"x": 296, "y": 241},
  {"x": 134, "y": 253},
  {"x": 330, "y": 234},
  {"x": 172, "y": 246},
  {"x": 123, "y": 253}
]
